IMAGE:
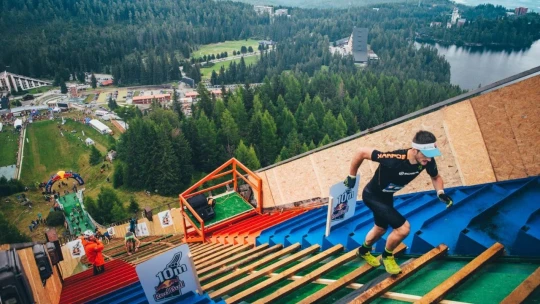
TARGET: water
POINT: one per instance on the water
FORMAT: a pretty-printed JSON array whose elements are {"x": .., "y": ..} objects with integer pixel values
[
  {"x": 532, "y": 5},
  {"x": 474, "y": 66}
]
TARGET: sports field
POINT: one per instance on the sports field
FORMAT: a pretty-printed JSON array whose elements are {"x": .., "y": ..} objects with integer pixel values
[
  {"x": 227, "y": 46},
  {"x": 48, "y": 151},
  {"x": 207, "y": 72},
  {"x": 8, "y": 146}
]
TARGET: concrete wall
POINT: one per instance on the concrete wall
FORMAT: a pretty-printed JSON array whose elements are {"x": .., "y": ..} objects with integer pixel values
[{"x": 488, "y": 138}]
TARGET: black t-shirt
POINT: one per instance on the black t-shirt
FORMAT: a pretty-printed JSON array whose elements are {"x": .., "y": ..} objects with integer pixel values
[{"x": 395, "y": 171}]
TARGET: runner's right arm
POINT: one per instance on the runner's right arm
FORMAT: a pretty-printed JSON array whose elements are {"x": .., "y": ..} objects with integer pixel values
[{"x": 358, "y": 158}]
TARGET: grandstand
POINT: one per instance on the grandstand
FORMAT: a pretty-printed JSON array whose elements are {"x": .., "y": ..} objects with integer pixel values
[{"x": 273, "y": 248}]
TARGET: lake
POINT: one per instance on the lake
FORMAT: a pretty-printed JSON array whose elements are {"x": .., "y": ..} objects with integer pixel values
[{"x": 474, "y": 66}]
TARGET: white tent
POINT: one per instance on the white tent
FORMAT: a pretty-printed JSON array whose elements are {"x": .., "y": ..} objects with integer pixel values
[
  {"x": 18, "y": 123},
  {"x": 1, "y": 126},
  {"x": 89, "y": 141}
]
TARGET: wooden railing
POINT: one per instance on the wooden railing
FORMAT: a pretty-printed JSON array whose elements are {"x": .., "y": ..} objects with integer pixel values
[{"x": 256, "y": 186}]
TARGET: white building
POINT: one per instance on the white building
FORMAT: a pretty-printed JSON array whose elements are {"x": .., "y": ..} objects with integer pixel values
[
  {"x": 281, "y": 12},
  {"x": 13, "y": 82},
  {"x": 99, "y": 77},
  {"x": 100, "y": 127},
  {"x": 455, "y": 16},
  {"x": 261, "y": 10}
]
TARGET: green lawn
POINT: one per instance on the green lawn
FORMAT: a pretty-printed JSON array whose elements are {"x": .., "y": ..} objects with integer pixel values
[
  {"x": 136, "y": 93},
  {"x": 89, "y": 98},
  {"x": 207, "y": 72},
  {"x": 227, "y": 46},
  {"x": 40, "y": 90},
  {"x": 8, "y": 146},
  {"x": 227, "y": 206}
]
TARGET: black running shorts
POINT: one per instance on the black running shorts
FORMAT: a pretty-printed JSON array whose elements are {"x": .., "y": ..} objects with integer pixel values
[{"x": 382, "y": 206}]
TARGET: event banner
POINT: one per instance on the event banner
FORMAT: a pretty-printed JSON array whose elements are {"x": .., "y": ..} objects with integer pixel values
[
  {"x": 111, "y": 231},
  {"x": 343, "y": 203},
  {"x": 165, "y": 218},
  {"x": 76, "y": 248},
  {"x": 168, "y": 275},
  {"x": 140, "y": 230}
]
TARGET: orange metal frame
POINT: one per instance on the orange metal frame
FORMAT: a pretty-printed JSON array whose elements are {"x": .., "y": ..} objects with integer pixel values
[{"x": 235, "y": 164}]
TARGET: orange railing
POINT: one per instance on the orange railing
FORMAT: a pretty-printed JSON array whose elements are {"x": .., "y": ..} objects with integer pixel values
[{"x": 256, "y": 186}]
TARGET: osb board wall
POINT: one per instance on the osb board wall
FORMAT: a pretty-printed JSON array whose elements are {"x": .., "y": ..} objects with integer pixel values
[
  {"x": 467, "y": 144},
  {"x": 68, "y": 264},
  {"x": 173, "y": 229},
  {"x": 509, "y": 119},
  {"x": 313, "y": 175},
  {"x": 50, "y": 293}
]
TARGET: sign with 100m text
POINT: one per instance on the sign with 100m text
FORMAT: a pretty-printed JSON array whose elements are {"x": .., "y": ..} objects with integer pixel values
[{"x": 168, "y": 275}]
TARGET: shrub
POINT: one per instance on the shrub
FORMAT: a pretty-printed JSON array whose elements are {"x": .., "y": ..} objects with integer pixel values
[{"x": 55, "y": 218}]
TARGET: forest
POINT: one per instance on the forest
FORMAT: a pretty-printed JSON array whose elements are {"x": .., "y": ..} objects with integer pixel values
[
  {"x": 287, "y": 115},
  {"x": 487, "y": 25}
]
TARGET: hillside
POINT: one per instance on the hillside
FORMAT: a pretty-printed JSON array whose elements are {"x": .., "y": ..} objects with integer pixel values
[{"x": 320, "y": 3}]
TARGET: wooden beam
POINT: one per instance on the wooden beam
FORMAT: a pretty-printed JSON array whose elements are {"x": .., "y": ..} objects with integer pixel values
[
  {"x": 345, "y": 280},
  {"x": 436, "y": 294},
  {"x": 250, "y": 267},
  {"x": 268, "y": 269},
  {"x": 312, "y": 276},
  {"x": 525, "y": 289},
  {"x": 284, "y": 275},
  {"x": 211, "y": 265},
  {"x": 202, "y": 250},
  {"x": 221, "y": 257},
  {"x": 212, "y": 253},
  {"x": 389, "y": 295},
  {"x": 252, "y": 257},
  {"x": 406, "y": 271}
]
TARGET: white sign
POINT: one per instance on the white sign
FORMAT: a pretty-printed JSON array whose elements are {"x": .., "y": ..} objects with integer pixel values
[
  {"x": 342, "y": 203},
  {"x": 140, "y": 230},
  {"x": 168, "y": 275},
  {"x": 165, "y": 218},
  {"x": 110, "y": 230},
  {"x": 76, "y": 248}
]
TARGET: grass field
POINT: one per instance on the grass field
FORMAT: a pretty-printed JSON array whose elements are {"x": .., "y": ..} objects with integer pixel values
[
  {"x": 48, "y": 152},
  {"x": 40, "y": 90},
  {"x": 136, "y": 93},
  {"x": 227, "y": 46},
  {"x": 89, "y": 98},
  {"x": 207, "y": 72},
  {"x": 103, "y": 97},
  {"x": 8, "y": 146}
]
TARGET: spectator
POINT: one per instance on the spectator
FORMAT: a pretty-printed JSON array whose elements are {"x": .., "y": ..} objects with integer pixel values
[
  {"x": 132, "y": 224},
  {"x": 93, "y": 248},
  {"x": 31, "y": 228}
]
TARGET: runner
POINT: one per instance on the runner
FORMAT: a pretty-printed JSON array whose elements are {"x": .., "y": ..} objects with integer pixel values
[
  {"x": 396, "y": 169},
  {"x": 132, "y": 243}
]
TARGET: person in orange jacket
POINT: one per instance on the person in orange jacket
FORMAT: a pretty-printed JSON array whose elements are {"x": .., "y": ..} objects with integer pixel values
[{"x": 93, "y": 248}]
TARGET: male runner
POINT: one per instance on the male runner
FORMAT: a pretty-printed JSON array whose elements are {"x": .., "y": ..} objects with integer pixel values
[
  {"x": 396, "y": 169},
  {"x": 131, "y": 242}
]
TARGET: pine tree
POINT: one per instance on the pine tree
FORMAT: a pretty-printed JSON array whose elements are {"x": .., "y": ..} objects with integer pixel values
[
  {"x": 93, "y": 81},
  {"x": 207, "y": 152},
  {"x": 229, "y": 133},
  {"x": 133, "y": 205},
  {"x": 95, "y": 156},
  {"x": 269, "y": 140},
  {"x": 246, "y": 156},
  {"x": 325, "y": 141},
  {"x": 168, "y": 181},
  {"x": 118, "y": 176},
  {"x": 205, "y": 101},
  {"x": 63, "y": 87},
  {"x": 311, "y": 129}
]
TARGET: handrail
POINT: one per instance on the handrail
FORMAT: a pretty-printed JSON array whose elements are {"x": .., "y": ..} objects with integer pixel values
[
  {"x": 192, "y": 191},
  {"x": 412, "y": 115}
]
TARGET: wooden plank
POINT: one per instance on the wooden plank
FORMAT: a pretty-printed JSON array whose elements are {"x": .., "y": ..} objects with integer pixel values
[
  {"x": 285, "y": 290},
  {"x": 406, "y": 271},
  {"x": 205, "y": 250},
  {"x": 252, "y": 257},
  {"x": 222, "y": 257},
  {"x": 525, "y": 289},
  {"x": 249, "y": 268},
  {"x": 285, "y": 274},
  {"x": 268, "y": 269},
  {"x": 436, "y": 294},
  {"x": 389, "y": 295},
  {"x": 203, "y": 247},
  {"x": 345, "y": 280},
  {"x": 212, "y": 253}
]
